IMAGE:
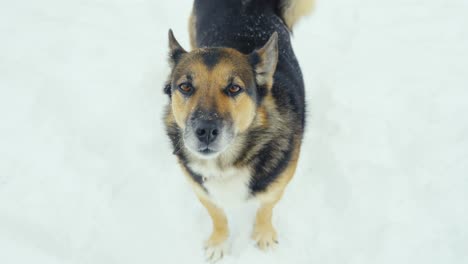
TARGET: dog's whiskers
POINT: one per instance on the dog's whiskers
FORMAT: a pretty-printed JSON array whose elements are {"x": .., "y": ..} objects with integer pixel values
[{"x": 178, "y": 147}]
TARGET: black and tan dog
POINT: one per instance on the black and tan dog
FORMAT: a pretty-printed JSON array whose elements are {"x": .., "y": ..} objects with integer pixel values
[{"x": 236, "y": 114}]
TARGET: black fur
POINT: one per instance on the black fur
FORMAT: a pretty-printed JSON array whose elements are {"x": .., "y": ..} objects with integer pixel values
[
  {"x": 211, "y": 58},
  {"x": 175, "y": 135},
  {"x": 176, "y": 55},
  {"x": 168, "y": 89},
  {"x": 246, "y": 25}
]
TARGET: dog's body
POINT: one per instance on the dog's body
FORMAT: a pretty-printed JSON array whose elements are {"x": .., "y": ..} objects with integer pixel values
[{"x": 237, "y": 111}]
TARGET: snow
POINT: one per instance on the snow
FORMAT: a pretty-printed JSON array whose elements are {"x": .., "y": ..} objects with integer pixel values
[{"x": 87, "y": 175}]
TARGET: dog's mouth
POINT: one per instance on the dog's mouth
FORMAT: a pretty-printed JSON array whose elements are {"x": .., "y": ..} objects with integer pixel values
[{"x": 207, "y": 152}]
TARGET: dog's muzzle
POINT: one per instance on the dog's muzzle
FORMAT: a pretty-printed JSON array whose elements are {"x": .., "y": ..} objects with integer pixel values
[
  {"x": 207, "y": 137},
  {"x": 207, "y": 131}
]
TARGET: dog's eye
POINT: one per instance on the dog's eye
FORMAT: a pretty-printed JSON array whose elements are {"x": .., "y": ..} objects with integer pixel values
[
  {"x": 234, "y": 89},
  {"x": 186, "y": 88}
]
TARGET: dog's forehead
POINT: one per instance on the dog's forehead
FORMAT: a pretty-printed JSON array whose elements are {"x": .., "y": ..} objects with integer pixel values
[
  {"x": 215, "y": 63},
  {"x": 212, "y": 57}
]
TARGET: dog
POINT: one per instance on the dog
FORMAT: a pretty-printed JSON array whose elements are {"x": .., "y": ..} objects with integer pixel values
[{"x": 236, "y": 112}]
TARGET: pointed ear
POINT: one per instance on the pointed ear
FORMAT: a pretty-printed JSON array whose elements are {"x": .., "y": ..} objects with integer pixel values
[
  {"x": 264, "y": 61},
  {"x": 175, "y": 50}
]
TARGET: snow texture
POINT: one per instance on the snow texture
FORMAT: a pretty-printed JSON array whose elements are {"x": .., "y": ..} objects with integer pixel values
[{"x": 87, "y": 175}]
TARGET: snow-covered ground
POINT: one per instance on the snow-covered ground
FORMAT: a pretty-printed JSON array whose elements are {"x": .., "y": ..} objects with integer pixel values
[{"x": 86, "y": 174}]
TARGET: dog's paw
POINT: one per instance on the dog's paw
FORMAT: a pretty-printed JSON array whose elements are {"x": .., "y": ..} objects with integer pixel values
[
  {"x": 215, "y": 251},
  {"x": 265, "y": 237}
]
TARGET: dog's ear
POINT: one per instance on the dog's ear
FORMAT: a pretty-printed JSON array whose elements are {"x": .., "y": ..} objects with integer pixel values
[
  {"x": 175, "y": 50},
  {"x": 264, "y": 61},
  {"x": 167, "y": 89}
]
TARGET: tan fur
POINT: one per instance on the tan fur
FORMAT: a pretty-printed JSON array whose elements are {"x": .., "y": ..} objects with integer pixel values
[
  {"x": 268, "y": 118},
  {"x": 268, "y": 60},
  {"x": 220, "y": 229},
  {"x": 264, "y": 233},
  {"x": 275, "y": 190},
  {"x": 209, "y": 85},
  {"x": 262, "y": 117},
  {"x": 192, "y": 30},
  {"x": 242, "y": 108},
  {"x": 275, "y": 124},
  {"x": 293, "y": 10}
]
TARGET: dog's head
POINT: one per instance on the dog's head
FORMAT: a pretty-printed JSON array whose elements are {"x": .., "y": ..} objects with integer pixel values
[{"x": 215, "y": 92}]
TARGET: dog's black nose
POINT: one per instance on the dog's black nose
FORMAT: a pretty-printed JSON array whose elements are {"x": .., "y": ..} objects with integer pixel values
[{"x": 207, "y": 131}]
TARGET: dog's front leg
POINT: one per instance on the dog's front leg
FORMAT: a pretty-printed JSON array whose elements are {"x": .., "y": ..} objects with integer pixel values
[
  {"x": 264, "y": 234},
  {"x": 216, "y": 245}
]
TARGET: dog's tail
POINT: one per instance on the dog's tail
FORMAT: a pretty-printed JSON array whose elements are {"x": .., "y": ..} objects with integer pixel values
[{"x": 292, "y": 10}]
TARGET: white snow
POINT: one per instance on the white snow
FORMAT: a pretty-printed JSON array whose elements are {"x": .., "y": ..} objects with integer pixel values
[{"x": 87, "y": 175}]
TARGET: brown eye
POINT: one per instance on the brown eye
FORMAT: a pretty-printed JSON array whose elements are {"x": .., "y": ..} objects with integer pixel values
[
  {"x": 186, "y": 88},
  {"x": 234, "y": 89}
]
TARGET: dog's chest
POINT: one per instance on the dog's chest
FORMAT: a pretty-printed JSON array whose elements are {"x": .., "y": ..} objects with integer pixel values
[{"x": 227, "y": 187}]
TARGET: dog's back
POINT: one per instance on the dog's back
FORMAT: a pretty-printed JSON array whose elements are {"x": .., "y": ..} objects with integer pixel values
[{"x": 246, "y": 25}]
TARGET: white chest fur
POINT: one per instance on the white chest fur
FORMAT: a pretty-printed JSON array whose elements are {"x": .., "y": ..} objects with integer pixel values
[{"x": 227, "y": 187}]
